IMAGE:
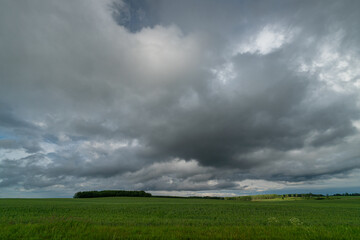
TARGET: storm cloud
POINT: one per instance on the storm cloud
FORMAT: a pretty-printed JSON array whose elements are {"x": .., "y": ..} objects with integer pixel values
[{"x": 178, "y": 96}]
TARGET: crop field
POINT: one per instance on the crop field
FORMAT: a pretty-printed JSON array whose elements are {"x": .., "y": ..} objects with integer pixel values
[{"x": 179, "y": 218}]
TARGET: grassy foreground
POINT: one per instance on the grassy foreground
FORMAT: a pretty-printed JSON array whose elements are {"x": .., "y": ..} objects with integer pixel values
[{"x": 167, "y": 218}]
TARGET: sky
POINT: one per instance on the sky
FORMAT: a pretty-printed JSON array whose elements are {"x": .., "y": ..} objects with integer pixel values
[{"x": 207, "y": 97}]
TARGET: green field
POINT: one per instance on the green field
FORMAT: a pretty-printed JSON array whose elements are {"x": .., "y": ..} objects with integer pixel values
[{"x": 177, "y": 218}]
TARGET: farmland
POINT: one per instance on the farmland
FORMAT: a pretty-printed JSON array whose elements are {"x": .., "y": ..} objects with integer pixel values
[{"x": 179, "y": 218}]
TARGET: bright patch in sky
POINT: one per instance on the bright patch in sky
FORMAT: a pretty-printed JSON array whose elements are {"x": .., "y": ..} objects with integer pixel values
[{"x": 267, "y": 40}]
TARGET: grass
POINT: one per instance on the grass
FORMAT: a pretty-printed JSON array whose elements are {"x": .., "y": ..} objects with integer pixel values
[{"x": 172, "y": 218}]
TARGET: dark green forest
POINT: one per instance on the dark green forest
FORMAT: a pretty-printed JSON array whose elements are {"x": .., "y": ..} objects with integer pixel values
[
  {"x": 124, "y": 193},
  {"x": 111, "y": 193}
]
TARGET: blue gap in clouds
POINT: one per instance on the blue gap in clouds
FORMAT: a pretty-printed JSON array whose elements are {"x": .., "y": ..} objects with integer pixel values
[{"x": 134, "y": 15}]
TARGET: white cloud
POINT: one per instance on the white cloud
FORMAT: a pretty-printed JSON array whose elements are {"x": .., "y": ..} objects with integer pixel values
[
  {"x": 13, "y": 154},
  {"x": 257, "y": 185},
  {"x": 334, "y": 65},
  {"x": 267, "y": 40},
  {"x": 161, "y": 52},
  {"x": 224, "y": 73}
]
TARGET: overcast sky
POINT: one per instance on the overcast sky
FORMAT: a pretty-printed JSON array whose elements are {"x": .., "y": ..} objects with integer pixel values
[{"x": 179, "y": 97}]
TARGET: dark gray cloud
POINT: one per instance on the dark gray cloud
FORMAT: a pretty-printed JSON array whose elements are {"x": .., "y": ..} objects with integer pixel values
[{"x": 177, "y": 95}]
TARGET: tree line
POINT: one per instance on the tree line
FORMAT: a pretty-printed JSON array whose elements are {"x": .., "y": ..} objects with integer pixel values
[
  {"x": 123, "y": 193},
  {"x": 111, "y": 193},
  {"x": 346, "y": 194},
  {"x": 292, "y": 195}
]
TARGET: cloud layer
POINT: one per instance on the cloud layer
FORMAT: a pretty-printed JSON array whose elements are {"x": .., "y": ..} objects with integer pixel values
[{"x": 178, "y": 96}]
